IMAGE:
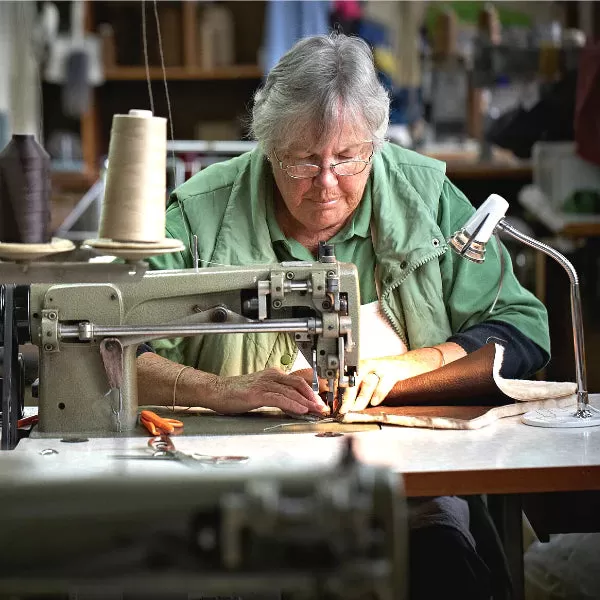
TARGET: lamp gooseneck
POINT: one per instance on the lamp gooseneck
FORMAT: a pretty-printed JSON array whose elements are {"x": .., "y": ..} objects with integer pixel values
[
  {"x": 470, "y": 242},
  {"x": 583, "y": 410}
]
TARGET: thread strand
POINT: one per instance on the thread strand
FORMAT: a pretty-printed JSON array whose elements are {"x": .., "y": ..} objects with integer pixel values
[
  {"x": 146, "y": 64},
  {"x": 164, "y": 74},
  {"x": 170, "y": 115},
  {"x": 166, "y": 87}
]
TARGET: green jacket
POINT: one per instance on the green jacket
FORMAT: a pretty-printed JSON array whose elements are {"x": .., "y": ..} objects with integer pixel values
[{"x": 427, "y": 292}]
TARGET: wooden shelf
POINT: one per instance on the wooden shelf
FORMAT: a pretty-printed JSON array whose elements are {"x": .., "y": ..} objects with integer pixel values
[
  {"x": 456, "y": 169},
  {"x": 125, "y": 73},
  {"x": 465, "y": 164},
  {"x": 582, "y": 229},
  {"x": 136, "y": 73}
]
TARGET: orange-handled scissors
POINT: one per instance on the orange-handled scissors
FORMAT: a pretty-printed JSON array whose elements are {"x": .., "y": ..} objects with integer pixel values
[
  {"x": 157, "y": 425},
  {"x": 32, "y": 420}
]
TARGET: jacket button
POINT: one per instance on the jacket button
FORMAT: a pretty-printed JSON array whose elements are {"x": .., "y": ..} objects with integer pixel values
[
  {"x": 403, "y": 264},
  {"x": 286, "y": 359},
  {"x": 435, "y": 242}
]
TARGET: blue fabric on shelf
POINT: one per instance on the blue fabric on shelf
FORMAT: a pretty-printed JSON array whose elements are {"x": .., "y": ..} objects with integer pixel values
[{"x": 286, "y": 22}]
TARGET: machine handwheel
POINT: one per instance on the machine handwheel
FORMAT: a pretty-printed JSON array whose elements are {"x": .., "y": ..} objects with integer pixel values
[{"x": 12, "y": 375}]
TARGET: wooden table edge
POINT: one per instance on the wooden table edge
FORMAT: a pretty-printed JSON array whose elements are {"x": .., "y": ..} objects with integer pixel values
[{"x": 502, "y": 481}]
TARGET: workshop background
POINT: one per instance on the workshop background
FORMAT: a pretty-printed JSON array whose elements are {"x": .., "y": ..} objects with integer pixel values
[
  {"x": 523, "y": 122},
  {"x": 511, "y": 128},
  {"x": 522, "y": 126}
]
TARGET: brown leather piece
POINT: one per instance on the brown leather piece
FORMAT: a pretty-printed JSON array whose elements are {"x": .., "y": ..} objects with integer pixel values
[{"x": 464, "y": 382}]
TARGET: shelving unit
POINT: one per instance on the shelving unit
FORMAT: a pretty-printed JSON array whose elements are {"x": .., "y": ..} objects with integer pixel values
[
  {"x": 197, "y": 95},
  {"x": 183, "y": 73}
]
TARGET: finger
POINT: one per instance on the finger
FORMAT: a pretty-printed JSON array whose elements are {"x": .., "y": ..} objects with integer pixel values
[
  {"x": 311, "y": 404},
  {"x": 383, "y": 389},
  {"x": 302, "y": 387},
  {"x": 367, "y": 390},
  {"x": 348, "y": 399},
  {"x": 306, "y": 374},
  {"x": 377, "y": 399},
  {"x": 286, "y": 404}
]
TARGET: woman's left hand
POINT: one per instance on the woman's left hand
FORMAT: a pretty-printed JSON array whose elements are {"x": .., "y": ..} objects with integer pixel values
[
  {"x": 374, "y": 382},
  {"x": 377, "y": 376}
]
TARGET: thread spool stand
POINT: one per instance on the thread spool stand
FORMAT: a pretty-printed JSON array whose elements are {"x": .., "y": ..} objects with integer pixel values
[
  {"x": 31, "y": 252},
  {"x": 132, "y": 220},
  {"x": 133, "y": 212},
  {"x": 133, "y": 251}
]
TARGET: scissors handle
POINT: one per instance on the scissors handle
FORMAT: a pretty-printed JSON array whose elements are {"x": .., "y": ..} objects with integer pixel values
[
  {"x": 163, "y": 444},
  {"x": 157, "y": 425}
]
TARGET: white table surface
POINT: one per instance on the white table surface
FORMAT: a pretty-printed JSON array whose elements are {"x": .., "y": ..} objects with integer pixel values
[{"x": 505, "y": 457}]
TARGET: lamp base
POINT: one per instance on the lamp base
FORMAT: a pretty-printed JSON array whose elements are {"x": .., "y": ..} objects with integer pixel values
[{"x": 561, "y": 417}]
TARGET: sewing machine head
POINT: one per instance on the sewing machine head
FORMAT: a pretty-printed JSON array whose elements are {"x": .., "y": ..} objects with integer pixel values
[{"x": 88, "y": 334}]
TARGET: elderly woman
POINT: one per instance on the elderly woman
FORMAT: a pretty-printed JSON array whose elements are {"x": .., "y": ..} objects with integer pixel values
[{"x": 322, "y": 171}]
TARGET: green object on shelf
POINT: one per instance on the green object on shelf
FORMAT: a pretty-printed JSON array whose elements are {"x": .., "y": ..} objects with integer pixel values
[
  {"x": 583, "y": 202},
  {"x": 468, "y": 11}
]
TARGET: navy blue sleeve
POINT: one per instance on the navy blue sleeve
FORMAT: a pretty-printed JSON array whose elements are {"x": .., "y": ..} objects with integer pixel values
[
  {"x": 143, "y": 348},
  {"x": 522, "y": 357}
]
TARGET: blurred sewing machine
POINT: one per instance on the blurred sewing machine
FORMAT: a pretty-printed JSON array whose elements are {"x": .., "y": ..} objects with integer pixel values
[
  {"x": 245, "y": 533},
  {"x": 88, "y": 334}
]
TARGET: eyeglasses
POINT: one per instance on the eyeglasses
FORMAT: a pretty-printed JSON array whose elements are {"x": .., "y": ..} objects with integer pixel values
[{"x": 344, "y": 168}]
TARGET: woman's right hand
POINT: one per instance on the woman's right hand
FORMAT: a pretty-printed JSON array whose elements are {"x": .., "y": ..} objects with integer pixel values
[{"x": 271, "y": 387}]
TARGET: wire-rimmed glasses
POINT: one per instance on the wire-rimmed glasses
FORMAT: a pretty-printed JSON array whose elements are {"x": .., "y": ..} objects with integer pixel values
[{"x": 344, "y": 168}]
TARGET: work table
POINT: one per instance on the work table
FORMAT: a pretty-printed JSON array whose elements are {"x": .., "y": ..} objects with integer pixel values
[{"x": 505, "y": 457}]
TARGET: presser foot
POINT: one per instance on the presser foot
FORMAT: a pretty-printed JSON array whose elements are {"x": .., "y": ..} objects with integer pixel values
[
  {"x": 334, "y": 403},
  {"x": 330, "y": 400}
]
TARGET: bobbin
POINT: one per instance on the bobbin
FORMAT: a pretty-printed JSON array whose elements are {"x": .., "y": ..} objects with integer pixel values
[
  {"x": 133, "y": 219},
  {"x": 29, "y": 252},
  {"x": 133, "y": 250}
]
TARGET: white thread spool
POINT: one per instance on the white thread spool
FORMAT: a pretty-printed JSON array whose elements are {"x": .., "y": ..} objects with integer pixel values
[{"x": 136, "y": 181}]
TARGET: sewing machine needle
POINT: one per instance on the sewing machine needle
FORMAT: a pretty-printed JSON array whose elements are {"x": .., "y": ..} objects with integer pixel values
[{"x": 315, "y": 380}]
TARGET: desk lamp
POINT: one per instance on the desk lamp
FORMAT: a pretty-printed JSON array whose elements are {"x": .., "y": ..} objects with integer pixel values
[{"x": 470, "y": 242}]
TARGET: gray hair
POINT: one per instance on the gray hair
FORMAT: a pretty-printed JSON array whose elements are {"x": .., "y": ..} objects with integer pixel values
[{"x": 320, "y": 79}]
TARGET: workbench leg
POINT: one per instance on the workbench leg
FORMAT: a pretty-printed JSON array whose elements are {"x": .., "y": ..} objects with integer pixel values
[{"x": 506, "y": 512}]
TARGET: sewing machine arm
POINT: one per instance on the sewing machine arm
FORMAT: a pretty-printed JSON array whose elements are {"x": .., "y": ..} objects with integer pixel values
[{"x": 78, "y": 327}]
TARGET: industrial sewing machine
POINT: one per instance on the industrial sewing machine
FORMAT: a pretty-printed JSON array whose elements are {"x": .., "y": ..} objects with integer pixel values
[
  {"x": 88, "y": 334},
  {"x": 106, "y": 527}
]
